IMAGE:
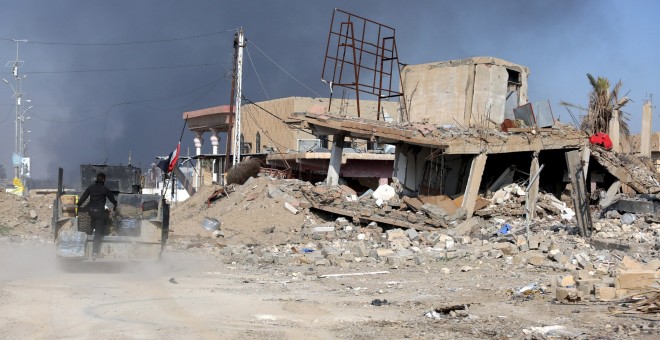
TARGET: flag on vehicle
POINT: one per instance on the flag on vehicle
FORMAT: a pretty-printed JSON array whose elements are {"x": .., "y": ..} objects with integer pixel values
[{"x": 168, "y": 164}]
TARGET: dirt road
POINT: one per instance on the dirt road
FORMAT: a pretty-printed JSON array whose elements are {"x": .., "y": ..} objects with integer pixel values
[{"x": 197, "y": 294}]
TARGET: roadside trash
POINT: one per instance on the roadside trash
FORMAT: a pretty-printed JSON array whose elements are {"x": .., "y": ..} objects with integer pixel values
[
  {"x": 379, "y": 302},
  {"x": 210, "y": 224},
  {"x": 554, "y": 331},
  {"x": 530, "y": 289},
  {"x": 628, "y": 218},
  {"x": 308, "y": 250},
  {"x": 452, "y": 311},
  {"x": 505, "y": 229}
]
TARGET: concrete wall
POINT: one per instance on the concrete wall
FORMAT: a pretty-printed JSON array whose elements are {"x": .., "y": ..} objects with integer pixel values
[
  {"x": 461, "y": 91},
  {"x": 410, "y": 163},
  {"x": 409, "y": 166},
  {"x": 272, "y": 129}
]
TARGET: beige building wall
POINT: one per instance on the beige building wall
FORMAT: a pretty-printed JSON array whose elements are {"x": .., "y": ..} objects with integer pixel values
[
  {"x": 272, "y": 122},
  {"x": 635, "y": 144},
  {"x": 463, "y": 91}
]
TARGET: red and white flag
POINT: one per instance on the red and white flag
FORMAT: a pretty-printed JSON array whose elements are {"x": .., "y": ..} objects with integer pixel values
[{"x": 173, "y": 158}]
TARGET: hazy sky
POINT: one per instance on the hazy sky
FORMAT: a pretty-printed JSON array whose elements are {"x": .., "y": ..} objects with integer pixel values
[{"x": 134, "y": 99}]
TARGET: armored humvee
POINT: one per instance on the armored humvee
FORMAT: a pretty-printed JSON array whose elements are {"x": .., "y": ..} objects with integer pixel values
[{"x": 138, "y": 230}]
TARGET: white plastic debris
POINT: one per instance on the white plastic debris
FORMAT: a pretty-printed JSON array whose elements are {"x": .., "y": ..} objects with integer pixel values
[{"x": 384, "y": 192}]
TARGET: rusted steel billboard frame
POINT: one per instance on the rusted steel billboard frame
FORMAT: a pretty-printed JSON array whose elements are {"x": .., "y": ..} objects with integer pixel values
[{"x": 347, "y": 49}]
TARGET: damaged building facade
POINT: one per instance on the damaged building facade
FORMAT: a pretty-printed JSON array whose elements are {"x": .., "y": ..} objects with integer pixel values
[
  {"x": 271, "y": 131},
  {"x": 453, "y": 144},
  {"x": 466, "y": 130}
]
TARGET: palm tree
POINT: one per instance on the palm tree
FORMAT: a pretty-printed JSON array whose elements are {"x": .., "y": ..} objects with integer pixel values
[{"x": 603, "y": 102}]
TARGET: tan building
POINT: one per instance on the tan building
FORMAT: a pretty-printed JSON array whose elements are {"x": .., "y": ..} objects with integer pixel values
[
  {"x": 474, "y": 91},
  {"x": 273, "y": 131},
  {"x": 270, "y": 126}
]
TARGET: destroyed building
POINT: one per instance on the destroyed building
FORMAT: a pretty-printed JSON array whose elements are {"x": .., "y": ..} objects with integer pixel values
[
  {"x": 271, "y": 131},
  {"x": 462, "y": 130},
  {"x": 453, "y": 143}
]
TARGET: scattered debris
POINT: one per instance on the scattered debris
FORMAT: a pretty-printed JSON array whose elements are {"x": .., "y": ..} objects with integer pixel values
[
  {"x": 379, "y": 302},
  {"x": 353, "y": 274},
  {"x": 451, "y": 311},
  {"x": 210, "y": 224}
]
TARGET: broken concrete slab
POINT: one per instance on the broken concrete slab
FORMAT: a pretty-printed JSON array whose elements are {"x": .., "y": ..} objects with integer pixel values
[
  {"x": 610, "y": 195},
  {"x": 443, "y": 202},
  {"x": 290, "y": 208},
  {"x": 465, "y": 227},
  {"x": 630, "y": 171},
  {"x": 636, "y": 279},
  {"x": 638, "y": 207},
  {"x": 434, "y": 211}
]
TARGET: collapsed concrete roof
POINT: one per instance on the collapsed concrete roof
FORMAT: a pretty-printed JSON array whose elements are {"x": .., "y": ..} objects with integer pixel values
[{"x": 453, "y": 139}]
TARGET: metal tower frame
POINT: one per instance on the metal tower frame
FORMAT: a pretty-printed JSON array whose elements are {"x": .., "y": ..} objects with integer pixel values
[{"x": 361, "y": 55}]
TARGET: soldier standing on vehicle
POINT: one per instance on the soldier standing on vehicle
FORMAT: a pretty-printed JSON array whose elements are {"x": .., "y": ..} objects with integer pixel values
[{"x": 97, "y": 194}]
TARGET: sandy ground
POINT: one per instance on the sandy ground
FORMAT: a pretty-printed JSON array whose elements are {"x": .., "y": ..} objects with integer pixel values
[{"x": 197, "y": 294}]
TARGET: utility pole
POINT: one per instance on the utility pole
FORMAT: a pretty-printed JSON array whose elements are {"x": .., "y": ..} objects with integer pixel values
[
  {"x": 239, "y": 44},
  {"x": 17, "y": 157}
]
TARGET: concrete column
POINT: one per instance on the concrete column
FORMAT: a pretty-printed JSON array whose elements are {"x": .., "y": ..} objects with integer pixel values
[
  {"x": 586, "y": 156},
  {"x": 335, "y": 160},
  {"x": 198, "y": 151},
  {"x": 533, "y": 192},
  {"x": 383, "y": 181},
  {"x": 645, "y": 136},
  {"x": 474, "y": 181},
  {"x": 614, "y": 131},
  {"x": 215, "y": 142}
]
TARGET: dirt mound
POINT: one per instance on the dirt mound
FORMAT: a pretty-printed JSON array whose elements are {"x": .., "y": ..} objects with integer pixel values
[
  {"x": 24, "y": 216},
  {"x": 248, "y": 214}
]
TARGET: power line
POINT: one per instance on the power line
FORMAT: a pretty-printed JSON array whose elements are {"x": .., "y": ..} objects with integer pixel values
[
  {"x": 272, "y": 114},
  {"x": 266, "y": 133},
  {"x": 197, "y": 36},
  {"x": 108, "y": 108},
  {"x": 127, "y": 69},
  {"x": 256, "y": 73},
  {"x": 282, "y": 68}
]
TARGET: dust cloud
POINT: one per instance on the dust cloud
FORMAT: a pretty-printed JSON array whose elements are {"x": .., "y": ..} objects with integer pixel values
[{"x": 21, "y": 261}]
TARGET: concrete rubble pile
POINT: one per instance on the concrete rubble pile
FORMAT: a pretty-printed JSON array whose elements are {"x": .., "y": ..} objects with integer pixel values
[
  {"x": 630, "y": 170},
  {"x": 24, "y": 218},
  {"x": 627, "y": 227},
  {"x": 606, "y": 281},
  {"x": 382, "y": 228},
  {"x": 510, "y": 201},
  {"x": 343, "y": 240},
  {"x": 380, "y": 205}
]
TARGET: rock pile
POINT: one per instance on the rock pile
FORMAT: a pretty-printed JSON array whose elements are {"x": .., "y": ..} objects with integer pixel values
[
  {"x": 316, "y": 225},
  {"x": 628, "y": 278},
  {"x": 510, "y": 201},
  {"x": 25, "y": 216}
]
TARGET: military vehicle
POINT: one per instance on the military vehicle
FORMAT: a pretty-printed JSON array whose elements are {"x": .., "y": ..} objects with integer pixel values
[{"x": 137, "y": 231}]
